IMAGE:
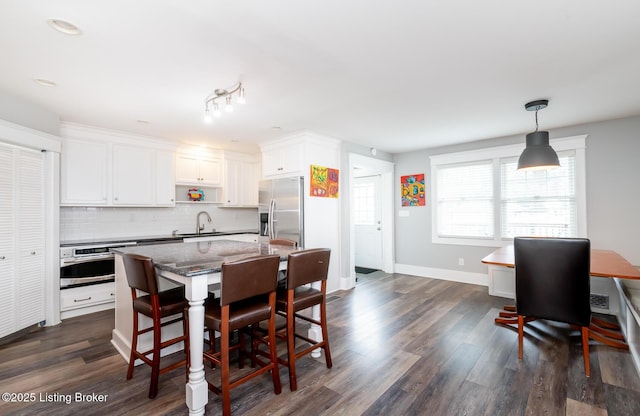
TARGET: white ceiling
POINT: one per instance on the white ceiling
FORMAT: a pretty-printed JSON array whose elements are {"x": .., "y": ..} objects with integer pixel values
[{"x": 395, "y": 75}]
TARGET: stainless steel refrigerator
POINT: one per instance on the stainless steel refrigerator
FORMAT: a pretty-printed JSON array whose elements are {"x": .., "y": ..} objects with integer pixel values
[{"x": 281, "y": 209}]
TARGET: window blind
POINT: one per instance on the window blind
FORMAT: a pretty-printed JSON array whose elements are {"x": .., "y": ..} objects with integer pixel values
[
  {"x": 465, "y": 200},
  {"x": 541, "y": 202}
]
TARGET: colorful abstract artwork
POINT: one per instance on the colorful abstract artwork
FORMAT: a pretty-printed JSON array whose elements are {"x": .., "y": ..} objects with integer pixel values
[
  {"x": 412, "y": 188},
  {"x": 324, "y": 182}
]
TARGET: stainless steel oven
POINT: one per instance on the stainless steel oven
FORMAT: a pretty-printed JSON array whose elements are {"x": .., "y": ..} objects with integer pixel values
[{"x": 88, "y": 264}]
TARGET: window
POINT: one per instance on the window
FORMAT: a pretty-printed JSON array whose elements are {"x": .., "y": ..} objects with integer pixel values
[
  {"x": 539, "y": 202},
  {"x": 363, "y": 200},
  {"x": 480, "y": 198},
  {"x": 465, "y": 200}
]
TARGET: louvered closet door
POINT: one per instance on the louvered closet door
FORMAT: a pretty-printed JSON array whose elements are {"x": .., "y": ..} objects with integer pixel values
[
  {"x": 30, "y": 213},
  {"x": 7, "y": 243}
]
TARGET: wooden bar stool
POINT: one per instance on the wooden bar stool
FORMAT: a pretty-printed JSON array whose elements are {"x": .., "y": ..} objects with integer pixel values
[
  {"x": 247, "y": 296},
  {"x": 304, "y": 267},
  {"x": 141, "y": 276}
]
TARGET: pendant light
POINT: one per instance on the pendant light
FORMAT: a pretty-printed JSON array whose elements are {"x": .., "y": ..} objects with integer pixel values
[{"x": 538, "y": 154}]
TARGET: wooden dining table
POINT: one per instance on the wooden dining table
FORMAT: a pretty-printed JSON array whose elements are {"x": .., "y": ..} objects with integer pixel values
[{"x": 604, "y": 263}]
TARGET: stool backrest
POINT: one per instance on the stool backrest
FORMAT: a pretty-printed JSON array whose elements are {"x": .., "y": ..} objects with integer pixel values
[
  {"x": 247, "y": 278},
  {"x": 307, "y": 266},
  {"x": 552, "y": 278},
  {"x": 283, "y": 242},
  {"x": 141, "y": 273}
]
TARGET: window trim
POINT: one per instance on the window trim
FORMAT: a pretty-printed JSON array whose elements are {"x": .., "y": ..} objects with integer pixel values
[{"x": 576, "y": 143}]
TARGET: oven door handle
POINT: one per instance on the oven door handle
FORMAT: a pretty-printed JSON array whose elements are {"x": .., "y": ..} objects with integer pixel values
[{"x": 89, "y": 259}]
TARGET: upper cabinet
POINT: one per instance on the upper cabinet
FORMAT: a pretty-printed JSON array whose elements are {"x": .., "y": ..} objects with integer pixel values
[
  {"x": 198, "y": 170},
  {"x": 103, "y": 168},
  {"x": 242, "y": 173},
  {"x": 283, "y": 160},
  {"x": 84, "y": 172}
]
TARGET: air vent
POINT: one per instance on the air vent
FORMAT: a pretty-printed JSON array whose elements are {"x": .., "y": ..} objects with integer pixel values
[{"x": 599, "y": 301}]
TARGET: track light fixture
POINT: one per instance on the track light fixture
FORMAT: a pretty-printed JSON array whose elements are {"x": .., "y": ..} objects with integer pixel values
[
  {"x": 538, "y": 154},
  {"x": 211, "y": 107}
]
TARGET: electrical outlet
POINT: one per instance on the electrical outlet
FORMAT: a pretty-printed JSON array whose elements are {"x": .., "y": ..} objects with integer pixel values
[{"x": 460, "y": 261}]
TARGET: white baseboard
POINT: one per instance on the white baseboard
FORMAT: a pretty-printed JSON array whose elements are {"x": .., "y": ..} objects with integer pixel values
[{"x": 443, "y": 274}]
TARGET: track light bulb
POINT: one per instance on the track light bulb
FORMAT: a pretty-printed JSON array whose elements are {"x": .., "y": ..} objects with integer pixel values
[
  {"x": 207, "y": 116},
  {"x": 241, "y": 96},
  {"x": 229, "y": 106}
]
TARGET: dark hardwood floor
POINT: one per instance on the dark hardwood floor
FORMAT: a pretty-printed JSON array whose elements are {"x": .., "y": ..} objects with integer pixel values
[{"x": 401, "y": 345}]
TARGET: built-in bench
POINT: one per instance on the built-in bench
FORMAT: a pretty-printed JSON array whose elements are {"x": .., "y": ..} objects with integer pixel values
[{"x": 629, "y": 315}]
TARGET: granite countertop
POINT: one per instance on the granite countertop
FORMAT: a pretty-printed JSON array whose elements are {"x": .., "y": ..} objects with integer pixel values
[
  {"x": 192, "y": 259},
  {"x": 154, "y": 239}
]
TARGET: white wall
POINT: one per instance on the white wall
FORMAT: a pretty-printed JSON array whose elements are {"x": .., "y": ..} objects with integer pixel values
[
  {"x": 613, "y": 201},
  {"x": 27, "y": 114}
]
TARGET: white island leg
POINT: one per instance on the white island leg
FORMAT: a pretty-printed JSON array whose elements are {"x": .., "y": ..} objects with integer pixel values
[
  {"x": 197, "y": 391},
  {"x": 315, "y": 332}
]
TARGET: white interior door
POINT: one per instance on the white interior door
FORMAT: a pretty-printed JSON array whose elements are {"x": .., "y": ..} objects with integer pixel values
[{"x": 367, "y": 222}]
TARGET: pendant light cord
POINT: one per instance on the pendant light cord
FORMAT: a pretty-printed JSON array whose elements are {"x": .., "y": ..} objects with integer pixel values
[{"x": 536, "y": 120}]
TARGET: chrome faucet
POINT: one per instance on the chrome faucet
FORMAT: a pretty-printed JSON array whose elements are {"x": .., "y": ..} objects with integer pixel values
[{"x": 198, "y": 226}]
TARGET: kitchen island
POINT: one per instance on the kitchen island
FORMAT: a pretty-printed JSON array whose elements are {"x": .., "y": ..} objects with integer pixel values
[{"x": 196, "y": 265}]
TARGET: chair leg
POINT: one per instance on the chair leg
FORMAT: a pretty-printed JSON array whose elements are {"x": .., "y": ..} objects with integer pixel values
[
  {"x": 275, "y": 372},
  {"x": 241, "y": 351},
  {"x": 585, "y": 351},
  {"x": 520, "y": 335},
  {"x": 185, "y": 329},
  {"x": 291, "y": 346},
  {"x": 224, "y": 363},
  {"x": 134, "y": 346},
  {"x": 155, "y": 362},
  {"x": 325, "y": 334}
]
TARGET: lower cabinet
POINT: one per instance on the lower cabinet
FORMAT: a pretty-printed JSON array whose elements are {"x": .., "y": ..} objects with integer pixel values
[{"x": 82, "y": 300}]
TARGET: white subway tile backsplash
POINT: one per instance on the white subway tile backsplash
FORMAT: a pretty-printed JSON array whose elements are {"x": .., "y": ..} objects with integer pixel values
[{"x": 87, "y": 223}]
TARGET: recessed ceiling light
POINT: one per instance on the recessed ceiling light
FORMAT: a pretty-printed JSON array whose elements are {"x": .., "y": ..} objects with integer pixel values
[
  {"x": 142, "y": 121},
  {"x": 44, "y": 82},
  {"x": 64, "y": 27}
]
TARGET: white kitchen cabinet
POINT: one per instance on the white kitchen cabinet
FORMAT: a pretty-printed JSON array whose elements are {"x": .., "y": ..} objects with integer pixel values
[
  {"x": 241, "y": 181},
  {"x": 104, "y": 168},
  {"x": 84, "y": 173},
  {"x": 282, "y": 160},
  {"x": 196, "y": 170},
  {"x": 22, "y": 284},
  {"x": 133, "y": 179},
  {"x": 87, "y": 299},
  {"x": 142, "y": 177},
  {"x": 165, "y": 173}
]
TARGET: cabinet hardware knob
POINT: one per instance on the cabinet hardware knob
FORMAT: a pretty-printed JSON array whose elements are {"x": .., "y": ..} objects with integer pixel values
[{"x": 82, "y": 300}]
